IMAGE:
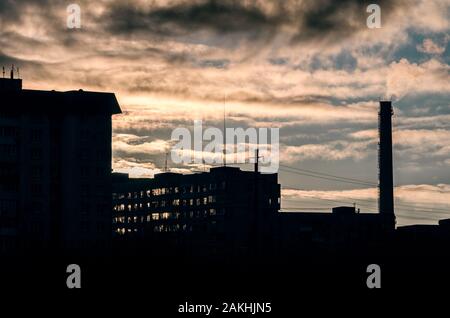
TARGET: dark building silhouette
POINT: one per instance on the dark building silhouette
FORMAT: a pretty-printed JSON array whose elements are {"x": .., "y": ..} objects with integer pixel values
[
  {"x": 210, "y": 213},
  {"x": 57, "y": 193},
  {"x": 55, "y": 168},
  {"x": 342, "y": 229},
  {"x": 386, "y": 182}
]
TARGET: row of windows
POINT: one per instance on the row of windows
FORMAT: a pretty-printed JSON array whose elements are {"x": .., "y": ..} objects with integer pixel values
[
  {"x": 85, "y": 228},
  {"x": 8, "y": 207},
  {"x": 87, "y": 171},
  {"x": 9, "y": 150},
  {"x": 166, "y": 203},
  {"x": 166, "y": 216},
  {"x": 86, "y": 154},
  {"x": 160, "y": 228},
  {"x": 8, "y": 131},
  {"x": 168, "y": 190}
]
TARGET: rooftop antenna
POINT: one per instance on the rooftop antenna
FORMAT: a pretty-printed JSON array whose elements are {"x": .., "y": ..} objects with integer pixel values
[
  {"x": 3, "y": 72},
  {"x": 257, "y": 157},
  {"x": 165, "y": 163},
  {"x": 224, "y": 133},
  {"x": 257, "y": 160},
  {"x": 12, "y": 72}
]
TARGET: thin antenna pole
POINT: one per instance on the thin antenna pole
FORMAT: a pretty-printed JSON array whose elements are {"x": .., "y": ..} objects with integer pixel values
[
  {"x": 224, "y": 133},
  {"x": 165, "y": 164},
  {"x": 257, "y": 160}
]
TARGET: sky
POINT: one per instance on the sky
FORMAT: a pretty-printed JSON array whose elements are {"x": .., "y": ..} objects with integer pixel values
[{"x": 311, "y": 68}]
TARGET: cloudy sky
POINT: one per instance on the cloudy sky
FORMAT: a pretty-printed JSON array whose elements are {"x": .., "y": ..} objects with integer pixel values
[{"x": 311, "y": 68}]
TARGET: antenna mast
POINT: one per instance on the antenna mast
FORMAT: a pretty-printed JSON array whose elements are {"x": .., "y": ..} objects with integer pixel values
[
  {"x": 224, "y": 133},
  {"x": 165, "y": 164}
]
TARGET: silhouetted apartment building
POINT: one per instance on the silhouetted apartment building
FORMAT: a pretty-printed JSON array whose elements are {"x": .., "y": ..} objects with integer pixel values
[
  {"x": 55, "y": 168},
  {"x": 216, "y": 212}
]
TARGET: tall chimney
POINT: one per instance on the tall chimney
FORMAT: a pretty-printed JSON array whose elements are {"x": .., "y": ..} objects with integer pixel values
[{"x": 386, "y": 183}]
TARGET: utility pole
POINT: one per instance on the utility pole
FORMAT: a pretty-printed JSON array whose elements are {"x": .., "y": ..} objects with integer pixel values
[{"x": 257, "y": 224}]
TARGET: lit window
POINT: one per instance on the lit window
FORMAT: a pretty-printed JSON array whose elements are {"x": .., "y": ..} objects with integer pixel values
[{"x": 165, "y": 215}]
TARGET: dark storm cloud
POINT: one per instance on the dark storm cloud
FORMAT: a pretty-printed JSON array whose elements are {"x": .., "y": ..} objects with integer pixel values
[
  {"x": 324, "y": 20},
  {"x": 45, "y": 14},
  {"x": 181, "y": 19},
  {"x": 13, "y": 10}
]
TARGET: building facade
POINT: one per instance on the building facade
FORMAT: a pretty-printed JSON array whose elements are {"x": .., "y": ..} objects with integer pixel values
[
  {"x": 55, "y": 168},
  {"x": 219, "y": 212}
]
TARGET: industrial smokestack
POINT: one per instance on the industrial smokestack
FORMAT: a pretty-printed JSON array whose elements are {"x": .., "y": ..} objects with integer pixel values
[{"x": 386, "y": 183}]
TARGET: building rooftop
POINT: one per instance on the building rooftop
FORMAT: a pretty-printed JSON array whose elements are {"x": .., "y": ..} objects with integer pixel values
[{"x": 54, "y": 102}]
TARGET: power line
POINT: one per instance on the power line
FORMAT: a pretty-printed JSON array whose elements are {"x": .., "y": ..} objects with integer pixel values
[
  {"x": 415, "y": 206},
  {"x": 330, "y": 175},
  {"x": 373, "y": 201},
  {"x": 336, "y": 179}
]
